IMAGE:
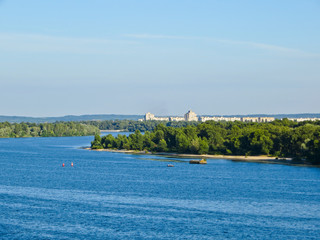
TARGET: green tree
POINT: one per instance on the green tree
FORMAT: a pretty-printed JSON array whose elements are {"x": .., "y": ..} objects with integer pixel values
[
  {"x": 96, "y": 143},
  {"x": 203, "y": 146},
  {"x": 162, "y": 146},
  {"x": 182, "y": 143},
  {"x": 194, "y": 145}
]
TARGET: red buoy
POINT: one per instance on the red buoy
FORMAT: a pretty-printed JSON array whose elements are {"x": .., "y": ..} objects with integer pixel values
[
  {"x": 62, "y": 164},
  {"x": 71, "y": 164}
]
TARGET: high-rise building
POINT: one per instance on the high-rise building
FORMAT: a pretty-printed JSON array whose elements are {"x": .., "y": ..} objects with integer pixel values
[
  {"x": 190, "y": 116},
  {"x": 148, "y": 116}
]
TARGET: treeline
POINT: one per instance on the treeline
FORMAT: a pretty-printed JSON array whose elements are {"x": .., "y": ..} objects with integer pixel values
[
  {"x": 59, "y": 129},
  {"x": 132, "y": 126},
  {"x": 281, "y": 138}
]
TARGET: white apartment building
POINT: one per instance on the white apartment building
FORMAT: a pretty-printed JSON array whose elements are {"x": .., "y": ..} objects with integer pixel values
[
  {"x": 204, "y": 119},
  {"x": 190, "y": 116},
  {"x": 218, "y": 119},
  {"x": 176, "y": 119},
  {"x": 249, "y": 119},
  {"x": 148, "y": 116},
  {"x": 161, "y": 119},
  {"x": 257, "y": 119},
  {"x": 266, "y": 119},
  {"x": 303, "y": 119}
]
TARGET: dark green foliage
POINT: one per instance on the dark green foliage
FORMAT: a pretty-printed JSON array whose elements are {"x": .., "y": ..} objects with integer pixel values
[
  {"x": 57, "y": 129},
  {"x": 281, "y": 138},
  {"x": 162, "y": 146},
  {"x": 96, "y": 143},
  {"x": 136, "y": 140}
]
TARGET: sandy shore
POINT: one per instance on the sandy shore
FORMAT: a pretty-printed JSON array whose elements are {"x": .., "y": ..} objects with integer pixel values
[
  {"x": 112, "y": 131},
  {"x": 257, "y": 159},
  {"x": 247, "y": 158}
]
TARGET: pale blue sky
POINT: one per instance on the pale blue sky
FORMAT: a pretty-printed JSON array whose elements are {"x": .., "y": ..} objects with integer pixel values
[{"x": 165, "y": 56}]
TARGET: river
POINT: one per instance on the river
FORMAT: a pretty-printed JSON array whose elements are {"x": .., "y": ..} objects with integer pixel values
[{"x": 125, "y": 196}]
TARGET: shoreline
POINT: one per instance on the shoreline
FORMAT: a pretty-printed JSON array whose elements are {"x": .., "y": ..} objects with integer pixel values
[
  {"x": 256, "y": 159},
  {"x": 101, "y": 131}
]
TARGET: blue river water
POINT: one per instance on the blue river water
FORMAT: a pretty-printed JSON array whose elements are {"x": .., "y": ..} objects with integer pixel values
[{"x": 126, "y": 196}]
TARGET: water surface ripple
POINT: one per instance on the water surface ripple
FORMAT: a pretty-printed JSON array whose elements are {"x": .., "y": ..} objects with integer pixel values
[{"x": 120, "y": 196}]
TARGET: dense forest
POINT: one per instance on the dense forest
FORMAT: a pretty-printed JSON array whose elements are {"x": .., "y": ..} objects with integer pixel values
[
  {"x": 281, "y": 138},
  {"x": 58, "y": 129},
  {"x": 131, "y": 126}
]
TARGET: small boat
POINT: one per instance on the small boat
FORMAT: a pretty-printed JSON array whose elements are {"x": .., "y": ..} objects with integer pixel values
[
  {"x": 202, "y": 161},
  {"x": 170, "y": 165}
]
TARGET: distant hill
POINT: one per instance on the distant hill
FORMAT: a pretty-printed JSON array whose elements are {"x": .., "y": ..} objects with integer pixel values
[{"x": 99, "y": 117}]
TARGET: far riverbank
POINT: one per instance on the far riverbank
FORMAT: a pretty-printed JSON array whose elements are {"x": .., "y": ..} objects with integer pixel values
[
  {"x": 256, "y": 159},
  {"x": 113, "y": 131}
]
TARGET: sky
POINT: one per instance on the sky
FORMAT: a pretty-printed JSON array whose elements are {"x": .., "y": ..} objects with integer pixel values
[{"x": 73, "y": 57}]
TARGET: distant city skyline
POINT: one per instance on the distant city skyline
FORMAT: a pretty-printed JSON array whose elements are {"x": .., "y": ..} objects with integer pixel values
[
  {"x": 192, "y": 116},
  {"x": 232, "y": 57},
  {"x": 150, "y": 116}
]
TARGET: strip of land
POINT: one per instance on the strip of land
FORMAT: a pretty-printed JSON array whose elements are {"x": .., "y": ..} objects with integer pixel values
[
  {"x": 123, "y": 130},
  {"x": 256, "y": 159}
]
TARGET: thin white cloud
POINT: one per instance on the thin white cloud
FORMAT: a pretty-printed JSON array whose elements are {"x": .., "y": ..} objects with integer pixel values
[
  {"x": 267, "y": 47},
  {"x": 35, "y": 43},
  {"x": 41, "y": 37},
  {"x": 263, "y": 46},
  {"x": 46, "y": 43},
  {"x": 151, "y": 36}
]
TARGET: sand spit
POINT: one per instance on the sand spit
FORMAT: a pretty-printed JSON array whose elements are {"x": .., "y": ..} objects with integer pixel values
[{"x": 257, "y": 159}]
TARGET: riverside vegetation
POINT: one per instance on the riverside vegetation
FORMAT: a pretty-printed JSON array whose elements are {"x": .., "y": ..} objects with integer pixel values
[
  {"x": 131, "y": 125},
  {"x": 58, "y": 129},
  {"x": 280, "y": 138},
  {"x": 83, "y": 128}
]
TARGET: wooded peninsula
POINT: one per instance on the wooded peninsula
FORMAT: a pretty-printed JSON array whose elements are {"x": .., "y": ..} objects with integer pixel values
[{"x": 280, "y": 138}]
